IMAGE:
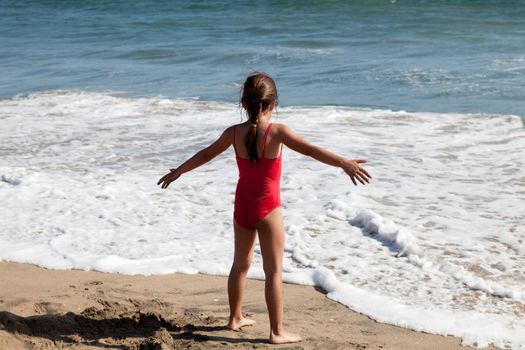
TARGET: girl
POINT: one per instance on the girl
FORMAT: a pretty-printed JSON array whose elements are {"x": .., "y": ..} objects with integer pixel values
[{"x": 258, "y": 150}]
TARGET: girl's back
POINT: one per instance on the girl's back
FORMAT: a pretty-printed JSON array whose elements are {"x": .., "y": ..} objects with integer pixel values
[{"x": 272, "y": 148}]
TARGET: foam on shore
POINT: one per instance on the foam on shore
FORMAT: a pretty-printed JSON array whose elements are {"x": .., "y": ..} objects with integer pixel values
[{"x": 435, "y": 243}]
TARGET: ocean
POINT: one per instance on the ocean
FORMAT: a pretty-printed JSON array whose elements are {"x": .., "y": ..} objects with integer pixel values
[{"x": 99, "y": 99}]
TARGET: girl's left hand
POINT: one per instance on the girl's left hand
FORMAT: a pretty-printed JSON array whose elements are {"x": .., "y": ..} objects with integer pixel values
[
  {"x": 169, "y": 178},
  {"x": 355, "y": 171}
]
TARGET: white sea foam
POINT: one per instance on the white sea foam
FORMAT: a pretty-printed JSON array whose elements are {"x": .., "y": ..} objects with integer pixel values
[{"x": 435, "y": 243}]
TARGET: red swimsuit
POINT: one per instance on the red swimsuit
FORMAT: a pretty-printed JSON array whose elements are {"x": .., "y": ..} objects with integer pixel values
[{"x": 258, "y": 188}]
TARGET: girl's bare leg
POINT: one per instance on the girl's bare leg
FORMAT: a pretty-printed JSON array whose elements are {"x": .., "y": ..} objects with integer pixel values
[
  {"x": 244, "y": 245},
  {"x": 271, "y": 240}
]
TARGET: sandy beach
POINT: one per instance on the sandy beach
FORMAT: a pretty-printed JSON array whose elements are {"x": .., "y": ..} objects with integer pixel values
[{"x": 74, "y": 309}]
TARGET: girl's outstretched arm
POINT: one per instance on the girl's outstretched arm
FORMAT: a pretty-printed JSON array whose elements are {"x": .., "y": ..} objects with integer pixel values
[
  {"x": 200, "y": 158},
  {"x": 298, "y": 144}
]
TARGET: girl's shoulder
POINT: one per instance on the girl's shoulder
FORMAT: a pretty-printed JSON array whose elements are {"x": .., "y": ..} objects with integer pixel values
[
  {"x": 279, "y": 128},
  {"x": 234, "y": 126},
  {"x": 232, "y": 129}
]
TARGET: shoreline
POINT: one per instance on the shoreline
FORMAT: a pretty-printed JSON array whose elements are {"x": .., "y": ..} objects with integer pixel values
[{"x": 44, "y": 308}]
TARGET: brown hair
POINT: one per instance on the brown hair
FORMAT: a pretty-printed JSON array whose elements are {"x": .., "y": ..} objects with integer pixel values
[{"x": 258, "y": 93}]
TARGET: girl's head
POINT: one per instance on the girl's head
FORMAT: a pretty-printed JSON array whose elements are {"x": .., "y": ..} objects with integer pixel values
[{"x": 259, "y": 95}]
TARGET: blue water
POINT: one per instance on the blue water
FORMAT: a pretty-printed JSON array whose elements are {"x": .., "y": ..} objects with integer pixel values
[{"x": 435, "y": 56}]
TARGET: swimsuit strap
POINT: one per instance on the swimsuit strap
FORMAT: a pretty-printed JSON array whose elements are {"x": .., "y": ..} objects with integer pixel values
[
  {"x": 234, "y": 147},
  {"x": 265, "y": 137}
]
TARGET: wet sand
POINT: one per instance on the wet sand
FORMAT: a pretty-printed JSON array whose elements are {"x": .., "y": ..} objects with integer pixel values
[{"x": 58, "y": 309}]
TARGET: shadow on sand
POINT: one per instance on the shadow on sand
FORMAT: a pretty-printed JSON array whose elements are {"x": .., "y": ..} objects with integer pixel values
[{"x": 141, "y": 330}]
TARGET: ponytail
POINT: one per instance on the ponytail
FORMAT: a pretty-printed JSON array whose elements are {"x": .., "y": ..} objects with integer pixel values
[
  {"x": 258, "y": 93},
  {"x": 253, "y": 110}
]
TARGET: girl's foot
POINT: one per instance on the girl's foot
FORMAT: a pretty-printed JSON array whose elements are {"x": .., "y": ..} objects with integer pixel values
[
  {"x": 284, "y": 337},
  {"x": 237, "y": 323}
]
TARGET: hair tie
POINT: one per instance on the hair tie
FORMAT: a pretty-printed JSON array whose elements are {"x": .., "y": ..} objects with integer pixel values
[{"x": 253, "y": 125}]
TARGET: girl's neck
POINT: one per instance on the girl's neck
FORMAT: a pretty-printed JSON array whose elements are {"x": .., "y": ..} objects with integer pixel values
[{"x": 265, "y": 117}]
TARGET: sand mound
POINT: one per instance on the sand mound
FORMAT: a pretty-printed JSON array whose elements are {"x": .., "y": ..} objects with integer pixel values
[{"x": 114, "y": 324}]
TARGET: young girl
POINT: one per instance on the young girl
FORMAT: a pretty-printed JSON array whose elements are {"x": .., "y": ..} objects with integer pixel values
[{"x": 258, "y": 150}]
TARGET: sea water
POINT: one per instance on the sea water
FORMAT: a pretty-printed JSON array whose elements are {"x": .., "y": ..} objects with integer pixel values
[
  {"x": 99, "y": 100},
  {"x": 423, "y": 56}
]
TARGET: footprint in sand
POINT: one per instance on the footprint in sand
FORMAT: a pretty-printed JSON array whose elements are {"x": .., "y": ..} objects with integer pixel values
[
  {"x": 359, "y": 346},
  {"x": 47, "y": 307},
  {"x": 365, "y": 332},
  {"x": 94, "y": 283}
]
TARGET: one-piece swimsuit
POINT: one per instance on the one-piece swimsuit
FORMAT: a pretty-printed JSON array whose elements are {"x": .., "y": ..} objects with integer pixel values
[{"x": 258, "y": 188}]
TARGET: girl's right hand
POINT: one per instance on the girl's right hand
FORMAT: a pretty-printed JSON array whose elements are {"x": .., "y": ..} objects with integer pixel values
[
  {"x": 169, "y": 178},
  {"x": 355, "y": 171}
]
